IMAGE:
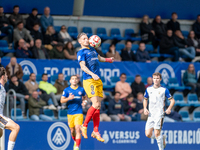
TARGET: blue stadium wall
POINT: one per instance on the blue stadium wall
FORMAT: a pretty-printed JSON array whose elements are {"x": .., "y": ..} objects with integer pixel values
[
  {"x": 114, "y": 8},
  {"x": 117, "y": 135}
]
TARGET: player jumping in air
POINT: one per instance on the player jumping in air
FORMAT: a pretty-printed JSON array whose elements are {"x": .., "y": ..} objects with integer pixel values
[
  {"x": 73, "y": 97},
  {"x": 89, "y": 60},
  {"x": 6, "y": 123},
  {"x": 156, "y": 95}
]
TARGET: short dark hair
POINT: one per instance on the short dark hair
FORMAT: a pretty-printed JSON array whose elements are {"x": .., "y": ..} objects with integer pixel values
[
  {"x": 44, "y": 74},
  {"x": 14, "y": 75},
  {"x": 34, "y": 9},
  {"x": 174, "y": 13},
  {"x": 74, "y": 76},
  {"x": 15, "y": 6},
  {"x": 129, "y": 96},
  {"x": 138, "y": 75},
  {"x": 1, "y": 6},
  {"x": 36, "y": 24},
  {"x": 127, "y": 42},
  {"x": 141, "y": 43},
  {"x": 2, "y": 71},
  {"x": 19, "y": 22},
  {"x": 157, "y": 74},
  {"x": 80, "y": 34},
  {"x": 122, "y": 74},
  {"x": 117, "y": 92},
  {"x": 31, "y": 74}
]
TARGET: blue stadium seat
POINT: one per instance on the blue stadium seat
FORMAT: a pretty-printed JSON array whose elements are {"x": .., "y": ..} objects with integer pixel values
[
  {"x": 119, "y": 47},
  {"x": 149, "y": 47},
  {"x": 25, "y": 78},
  {"x": 57, "y": 28},
  {"x": 116, "y": 34},
  {"x": 108, "y": 94},
  {"x": 135, "y": 47},
  {"x": 101, "y": 32},
  {"x": 4, "y": 47},
  {"x": 114, "y": 80},
  {"x": 179, "y": 99},
  {"x": 62, "y": 115},
  {"x": 129, "y": 79},
  {"x": 105, "y": 47},
  {"x": 88, "y": 31},
  {"x": 73, "y": 32},
  {"x": 105, "y": 85},
  {"x": 53, "y": 79},
  {"x": 144, "y": 80},
  {"x": 193, "y": 100},
  {"x": 38, "y": 78},
  {"x": 49, "y": 113},
  {"x": 128, "y": 35},
  {"x": 156, "y": 54},
  {"x": 173, "y": 84},
  {"x": 196, "y": 116},
  {"x": 185, "y": 115},
  {"x": 19, "y": 115},
  {"x": 185, "y": 33}
]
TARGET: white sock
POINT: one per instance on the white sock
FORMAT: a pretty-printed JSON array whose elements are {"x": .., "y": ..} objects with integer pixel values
[
  {"x": 11, "y": 145},
  {"x": 160, "y": 142},
  {"x": 153, "y": 136}
]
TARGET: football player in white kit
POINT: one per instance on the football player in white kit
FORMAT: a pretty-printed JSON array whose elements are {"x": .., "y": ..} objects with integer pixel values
[
  {"x": 6, "y": 123},
  {"x": 156, "y": 94}
]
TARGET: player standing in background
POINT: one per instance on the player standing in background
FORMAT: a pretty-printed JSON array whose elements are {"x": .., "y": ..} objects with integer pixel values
[
  {"x": 73, "y": 97},
  {"x": 5, "y": 122},
  {"x": 89, "y": 60},
  {"x": 156, "y": 95}
]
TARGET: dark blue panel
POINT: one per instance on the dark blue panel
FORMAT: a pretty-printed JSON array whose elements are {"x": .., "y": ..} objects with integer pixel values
[
  {"x": 137, "y": 8},
  {"x": 58, "y": 7}
]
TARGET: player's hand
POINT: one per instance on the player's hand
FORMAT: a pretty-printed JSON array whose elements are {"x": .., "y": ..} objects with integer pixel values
[
  {"x": 95, "y": 77},
  {"x": 168, "y": 111},
  {"x": 146, "y": 112},
  {"x": 26, "y": 96},
  {"x": 113, "y": 59},
  {"x": 71, "y": 96}
]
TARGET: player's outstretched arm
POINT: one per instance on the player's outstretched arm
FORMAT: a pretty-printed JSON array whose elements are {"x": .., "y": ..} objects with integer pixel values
[
  {"x": 172, "y": 102},
  {"x": 86, "y": 70},
  {"x": 146, "y": 112},
  {"x": 102, "y": 59}
]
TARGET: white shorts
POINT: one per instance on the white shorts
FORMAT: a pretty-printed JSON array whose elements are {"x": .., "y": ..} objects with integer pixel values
[
  {"x": 155, "y": 123},
  {"x": 3, "y": 121}
]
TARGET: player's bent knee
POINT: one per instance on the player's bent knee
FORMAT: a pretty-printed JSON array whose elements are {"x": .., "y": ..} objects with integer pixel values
[
  {"x": 78, "y": 128},
  {"x": 17, "y": 127},
  {"x": 148, "y": 134}
]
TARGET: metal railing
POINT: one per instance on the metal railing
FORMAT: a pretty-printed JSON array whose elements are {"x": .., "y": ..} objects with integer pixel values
[{"x": 7, "y": 102}]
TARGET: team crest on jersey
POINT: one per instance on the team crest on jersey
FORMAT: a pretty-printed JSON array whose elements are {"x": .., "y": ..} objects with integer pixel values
[{"x": 80, "y": 93}]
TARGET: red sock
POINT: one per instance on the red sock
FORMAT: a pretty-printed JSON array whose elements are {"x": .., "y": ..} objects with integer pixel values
[
  {"x": 74, "y": 138},
  {"x": 78, "y": 142},
  {"x": 96, "y": 120},
  {"x": 89, "y": 115}
]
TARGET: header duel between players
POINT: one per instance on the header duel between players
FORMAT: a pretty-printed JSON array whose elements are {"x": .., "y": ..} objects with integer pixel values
[{"x": 89, "y": 60}]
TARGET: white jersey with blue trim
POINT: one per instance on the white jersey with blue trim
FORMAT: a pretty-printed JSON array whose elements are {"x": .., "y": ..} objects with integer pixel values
[
  {"x": 2, "y": 98},
  {"x": 157, "y": 98}
]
